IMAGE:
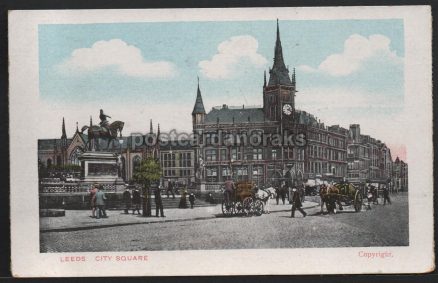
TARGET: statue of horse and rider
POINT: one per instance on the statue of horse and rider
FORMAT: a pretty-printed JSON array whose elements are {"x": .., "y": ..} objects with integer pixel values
[{"x": 104, "y": 130}]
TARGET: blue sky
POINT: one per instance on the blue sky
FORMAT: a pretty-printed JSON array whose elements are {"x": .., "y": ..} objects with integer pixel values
[{"x": 347, "y": 70}]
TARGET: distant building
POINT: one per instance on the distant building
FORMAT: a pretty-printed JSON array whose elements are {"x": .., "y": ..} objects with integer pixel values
[
  {"x": 400, "y": 175},
  {"x": 177, "y": 163},
  {"x": 369, "y": 160}
]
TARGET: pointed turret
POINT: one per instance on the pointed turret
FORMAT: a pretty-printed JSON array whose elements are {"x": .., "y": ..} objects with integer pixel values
[
  {"x": 294, "y": 82},
  {"x": 151, "y": 129},
  {"x": 199, "y": 105},
  {"x": 91, "y": 121},
  {"x": 77, "y": 127},
  {"x": 64, "y": 135},
  {"x": 279, "y": 74},
  {"x": 158, "y": 131},
  {"x": 264, "y": 78}
]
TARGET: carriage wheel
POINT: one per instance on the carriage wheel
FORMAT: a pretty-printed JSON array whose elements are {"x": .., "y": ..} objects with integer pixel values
[
  {"x": 247, "y": 205},
  {"x": 227, "y": 208},
  {"x": 238, "y": 208},
  {"x": 258, "y": 207},
  {"x": 358, "y": 201}
]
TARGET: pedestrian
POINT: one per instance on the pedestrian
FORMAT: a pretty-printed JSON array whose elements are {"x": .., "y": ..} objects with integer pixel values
[
  {"x": 192, "y": 200},
  {"x": 183, "y": 200},
  {"x": 136, "y": 200},
  {"x": 170, "y": 188},
  {"x": 229, "y": 188},
  {"x": 210, "y": 198},
  {"x": 386, "y": 196},
  {"x": 158, "y": 203},
  {"x": 127, "y": 200},
  {"x": 277, "y": 195},
  {"x": 296, "y": 203},
  {"x": 283, "y": 194},
  {"x": 369, "y": 198},
  {"x": 100, "y": 202},
  {"x": 93, "y": 200}
]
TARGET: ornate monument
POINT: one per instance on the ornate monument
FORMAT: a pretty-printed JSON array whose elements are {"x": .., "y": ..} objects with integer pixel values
[{"x": 99, "y": 165}]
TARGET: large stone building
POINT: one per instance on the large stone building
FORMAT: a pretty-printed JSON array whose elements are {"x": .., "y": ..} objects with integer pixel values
[{"x": 322, "y": 154}]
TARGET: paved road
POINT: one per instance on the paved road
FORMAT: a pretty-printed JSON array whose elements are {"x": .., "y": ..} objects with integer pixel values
[{"x": 380, "y": 226}]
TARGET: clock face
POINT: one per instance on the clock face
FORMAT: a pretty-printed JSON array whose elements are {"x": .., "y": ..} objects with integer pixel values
[{"x": 287, "y": 109}]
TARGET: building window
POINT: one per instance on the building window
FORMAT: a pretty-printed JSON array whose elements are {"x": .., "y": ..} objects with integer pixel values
[
  {"x": 274, "y": 154},
  {"x": 186, "y": 159},
  {"x": 210, "y": 154},
  {"x": 211, "y": 174},
  {"x": 226, "y": 171},
  {"x": 136, "y": 162},
  {"x": 223, "y": 154},
  {"x": 257, "y": 154}
]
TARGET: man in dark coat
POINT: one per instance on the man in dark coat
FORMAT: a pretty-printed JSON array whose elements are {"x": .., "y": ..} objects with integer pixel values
[
  {"x": 386, "y": 196},
  {"x": 100, "y": 202},
  {"x": 127, "y": 200},
  {"x": 192, "y": 200},
  {"x": 136, "y": 200},
  {"x": 296, "y": 203},
  {"x": 158, "y": 203},
  {"x": 170, "y": 188}
]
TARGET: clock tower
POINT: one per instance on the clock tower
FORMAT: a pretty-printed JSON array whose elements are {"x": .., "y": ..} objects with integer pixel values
[{"x": 279, "y": 91}]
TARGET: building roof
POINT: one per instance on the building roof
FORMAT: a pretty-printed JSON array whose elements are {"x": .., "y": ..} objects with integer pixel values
[
  {"x": 49, "y": 144},
  {"x": 226, "y": 114}
]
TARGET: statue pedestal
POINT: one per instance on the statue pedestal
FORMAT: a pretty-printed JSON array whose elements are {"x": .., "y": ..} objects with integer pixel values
[{"x": 102, "y": 168}]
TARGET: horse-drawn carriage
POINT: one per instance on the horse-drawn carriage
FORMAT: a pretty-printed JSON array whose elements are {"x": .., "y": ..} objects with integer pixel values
[
  {"x": 242, "y": 201},
  {"x": 341, "y": 194}
]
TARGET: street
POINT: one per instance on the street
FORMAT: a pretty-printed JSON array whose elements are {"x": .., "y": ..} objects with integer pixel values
[{"x": 380, "y": 226}]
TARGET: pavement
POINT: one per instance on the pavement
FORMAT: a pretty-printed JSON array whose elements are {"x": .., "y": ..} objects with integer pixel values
[{"x": 75, "y": 220}]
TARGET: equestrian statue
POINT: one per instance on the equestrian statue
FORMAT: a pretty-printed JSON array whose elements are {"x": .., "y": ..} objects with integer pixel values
[{"x": 104, "y": 130}]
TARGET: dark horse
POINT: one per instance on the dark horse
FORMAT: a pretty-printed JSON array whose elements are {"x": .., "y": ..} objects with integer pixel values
[
  {"x": 330, "y": 196},
  {"x": 109, "y": 133}
]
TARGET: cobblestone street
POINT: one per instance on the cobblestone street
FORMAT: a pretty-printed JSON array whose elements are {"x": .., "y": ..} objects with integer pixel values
[{"x": 380, "y": 226}]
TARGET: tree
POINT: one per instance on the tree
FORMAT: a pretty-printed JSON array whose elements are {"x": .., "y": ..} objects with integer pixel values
[{"x": 148, "y": 172}]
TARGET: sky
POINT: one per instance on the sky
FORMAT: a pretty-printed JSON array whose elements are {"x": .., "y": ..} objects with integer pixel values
[{"x": 348, "y": 72}]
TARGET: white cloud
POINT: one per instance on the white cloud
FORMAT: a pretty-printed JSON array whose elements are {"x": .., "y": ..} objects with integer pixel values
[
  {"x": 357, "y": 51},
  {"x": 379, "y": 115},
  {"x": 231, "y": 53},
  {"x": 126, "y": 59}
]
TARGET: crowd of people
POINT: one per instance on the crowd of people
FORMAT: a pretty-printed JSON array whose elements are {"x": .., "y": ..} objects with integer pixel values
[{"x": 132, "y": 200}]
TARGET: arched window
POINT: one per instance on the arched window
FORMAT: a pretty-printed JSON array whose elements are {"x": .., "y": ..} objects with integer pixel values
[
  {"x": 136, "y": 162},
  {"x": 74, "y": 156}
]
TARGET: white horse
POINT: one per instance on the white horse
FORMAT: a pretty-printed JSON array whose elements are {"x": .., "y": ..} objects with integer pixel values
[{"x": 264, "y": 195}]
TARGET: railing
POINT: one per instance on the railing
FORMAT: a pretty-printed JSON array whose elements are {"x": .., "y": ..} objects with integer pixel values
[
  {"x": 213, "y": 186},
  {"x": 72, "y": 188}
]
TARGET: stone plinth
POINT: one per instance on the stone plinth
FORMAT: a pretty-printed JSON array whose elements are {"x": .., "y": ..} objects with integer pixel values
[{"x": 100, "y": 167}]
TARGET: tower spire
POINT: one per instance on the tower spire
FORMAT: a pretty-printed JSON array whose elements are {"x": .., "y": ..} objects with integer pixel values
[
  {"x": 64, "y": 135},
  {"x": 279, "y": 73},
  {"x": 264, "y": 78},
  {"x": 77, "y": 127},
  {"x": 91, "y": 121},
  {"x": 151, "y": 130},
  {"x": 199, "y": 104}
]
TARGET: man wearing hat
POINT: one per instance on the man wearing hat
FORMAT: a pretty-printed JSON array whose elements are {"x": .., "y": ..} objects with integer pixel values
[
  {"x": 296, "y": 203},
  {"x": 158, "y": 202}
]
